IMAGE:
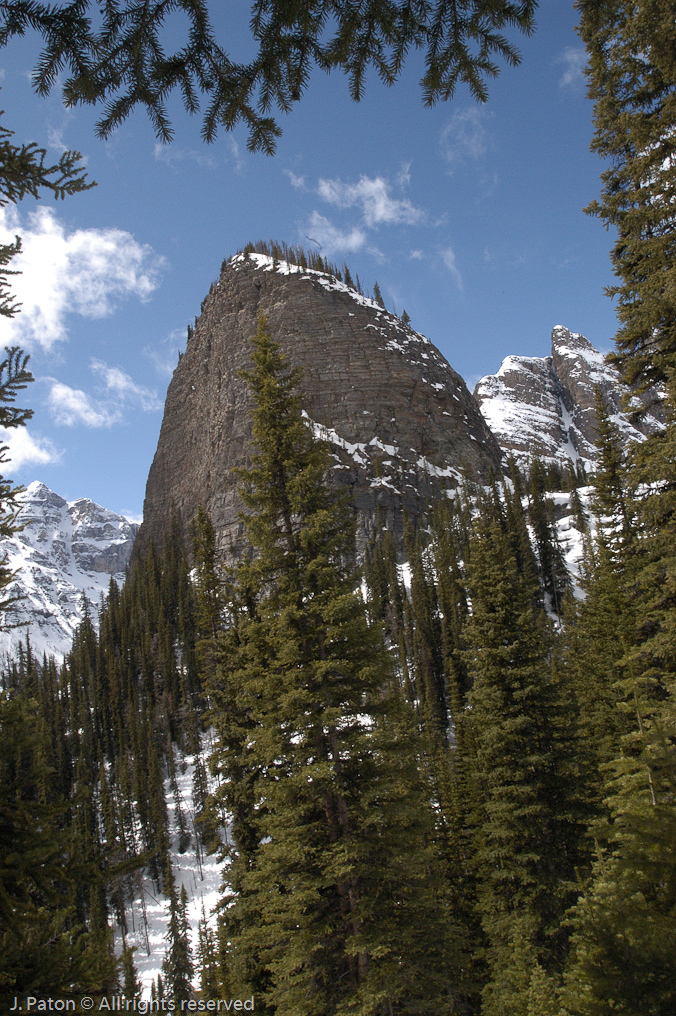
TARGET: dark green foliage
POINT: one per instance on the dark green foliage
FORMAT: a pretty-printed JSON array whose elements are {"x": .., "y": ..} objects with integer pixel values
[
  {"x": 528, "y": 842},
  {"x": 612, "y": 503},
  {"x": 123, "y": 62},
  {"x": 45, "y": 947},
  {"x": 338, "y": 901},
  {"x": 378, "y": 296},
  {"x": 130, "y": 983},
  {"x": 552, "y": 567},
  {"x": 103, "y": 733},
  {"x": 632, "y": 79},
  {"x": 178, "y": 967}
]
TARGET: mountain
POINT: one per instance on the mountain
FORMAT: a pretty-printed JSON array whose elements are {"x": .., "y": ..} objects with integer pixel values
[
  {"x": 544, "y": 406},
  {"x": 66, "y": 549},
  {"x": 401, "y": 422}
]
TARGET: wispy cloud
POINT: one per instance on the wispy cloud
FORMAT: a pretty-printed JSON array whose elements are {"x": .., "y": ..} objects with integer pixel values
[
  {"x": 450, "y": 262},
  {"x": 121, "y": 387},
  {"x": 115, "y": 393},
  {"x": 373, "y": 196},
  {"x": 331, "y": 239},
  {"x": 172, "y": 155},
  {"x": 239, "y": 163},
  {"x": 26, "y": 450},
  {"x": 464, "y": 137},
  {"x": 574, "y": 58},
  {"x": 403, "y": 177},
  {"x": 296, "y": 181},
  {"x": 164, "y": 354},
  {"x": 84, "y": 272}
]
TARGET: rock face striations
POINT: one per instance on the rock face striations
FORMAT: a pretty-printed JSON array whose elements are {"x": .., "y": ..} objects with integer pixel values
[
  {"x": 401, "y": 422},
  {"x": 544, "y": 406}
]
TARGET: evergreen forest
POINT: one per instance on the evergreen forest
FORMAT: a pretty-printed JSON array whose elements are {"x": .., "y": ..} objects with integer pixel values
[{"x": 438, "y": 787}]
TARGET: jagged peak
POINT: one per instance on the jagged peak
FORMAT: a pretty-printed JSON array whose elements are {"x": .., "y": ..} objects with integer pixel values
[{"x": 574, "y": 344}]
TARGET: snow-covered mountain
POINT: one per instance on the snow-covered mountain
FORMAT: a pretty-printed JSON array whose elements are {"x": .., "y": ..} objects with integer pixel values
[
  {"x": 544, "y": 406},
  {"x": 66, "y": 549}
]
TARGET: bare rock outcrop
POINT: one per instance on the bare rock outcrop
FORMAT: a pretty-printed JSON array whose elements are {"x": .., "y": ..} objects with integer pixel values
[
  {"x": 544, "y": 405},
  {"x": 401, "y": 422}
]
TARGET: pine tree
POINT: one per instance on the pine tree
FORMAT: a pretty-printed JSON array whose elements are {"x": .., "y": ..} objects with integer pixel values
[
  {"x": 378, "y": 296},
  {"x": 528, "y": 841},
  {"x": 338, "y": 905},
  {"x": 45, "y": 946},
  {"x": 131, "y": 984},
  {"x": 178, "y": 966},
  {"x": 207, "y": 959},
  {"x": 632, "y": 77}
]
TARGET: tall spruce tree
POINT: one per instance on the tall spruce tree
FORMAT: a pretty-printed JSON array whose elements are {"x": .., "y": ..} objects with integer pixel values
[
  {"x": 632, "y": 80},
  {"x": 178, "y": 967},
  {"x": 338, "y": 905},
  {"x": 528, "y": 840},
  {"x": 624, "y": 928}
]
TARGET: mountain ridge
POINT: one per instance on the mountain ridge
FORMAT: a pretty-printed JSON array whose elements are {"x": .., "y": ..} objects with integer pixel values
[
  {"x": 544, "y": 405},
  {"x": 66, "y": 550}
]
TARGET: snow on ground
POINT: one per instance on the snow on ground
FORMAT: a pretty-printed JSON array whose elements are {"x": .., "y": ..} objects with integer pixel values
[
  {"x": 200, "y": 873},
  {"x": 570, "y": 539}
]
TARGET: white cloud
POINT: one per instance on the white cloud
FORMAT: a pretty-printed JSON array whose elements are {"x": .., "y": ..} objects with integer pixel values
[
  {"x": 116, "y": 392},
  {"x": 331, "y": 239},
  {"x": 84, "y": 272},
  {"x": 296, "y": 181},
  {"x": 449, "y": 259},
  {"x": 575, "y": 60},
  {"x": 70, "y": 406},
  {"x": 416, "y": 255},
  {"x": 374, "y": 198},
  {"x": 120, "y": 386},
  {"x": 464, "y": 137},
  {"x": 26, "y": 450}
]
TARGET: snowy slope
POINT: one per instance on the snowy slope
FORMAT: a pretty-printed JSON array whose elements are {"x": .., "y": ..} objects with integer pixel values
[
  {"x": 200, "y": 873},
  {"x": 544, "y": 406},
  {"x": 66, "y": 549}
]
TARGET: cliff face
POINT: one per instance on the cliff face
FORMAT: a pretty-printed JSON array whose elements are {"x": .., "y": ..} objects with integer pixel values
[
  {"x": 401, "y": 422},
  {"x": 544, "y": 406}
]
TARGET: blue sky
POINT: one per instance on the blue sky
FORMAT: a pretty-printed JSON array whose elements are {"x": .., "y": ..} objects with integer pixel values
[{"x": 469, "y": 217}]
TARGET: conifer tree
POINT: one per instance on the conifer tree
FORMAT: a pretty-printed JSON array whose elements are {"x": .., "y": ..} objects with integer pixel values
[
  {"x": 377, "y": 295},
  {"x": 338, "y": 905},
  {"x": 131, "y": 984},
  {"x": 632, "y": 80},
  {"x": 178, "y": 966},
  {"x": 207, "y": 959},
  {"x": 45, "y": 946},
  {"x": 528, "y": 840}
]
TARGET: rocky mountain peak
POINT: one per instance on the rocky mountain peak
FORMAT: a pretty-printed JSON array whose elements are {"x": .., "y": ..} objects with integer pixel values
[
  {"x": 544, "y": 406},
  {"x": 400, "y": 421},
  {"x": 66, "y": 550}
]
